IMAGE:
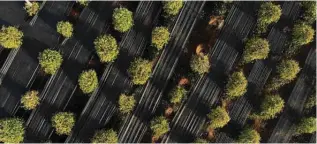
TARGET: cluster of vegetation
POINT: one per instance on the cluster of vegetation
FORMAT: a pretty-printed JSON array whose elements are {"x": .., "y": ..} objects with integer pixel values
[
  {"x": 302, "y": 34},
  {"x": 172, "y": 8},
  {"x": 249, "y": 135},
  {"x": 267, "y": 14},
  {"x": 200, "y": 140},
  {"x": 256, "y": 48},
  {"x": 309, "y": 14},
  {"x": 200, "y": 64},
  {"x": 306, "y": 125},
  {"x": 63, "y": 122},
  {"x": 50, "y": 61},
  {"x": 311, "y": 101},
  {"x": 219, "y": 117},
  {"x": 83, "y": 2},
  {"x": 10, "y": 37},
  {"x": 160, "y": 37},
  {"x": 11, "y": 130},
  {"x": 122, "y": 19},
  {"x": 159, "y": 126},
  {"x": 105, "y": 136},
  {"x": 236, "y": 86},
  {"x": 177, "y": 94},
  {"x": 221, "y": 7},
  {"x": 65, "y": 28},
  {"x": 107, "y": 48},
  {"x": 271, "y": 106},
  {"x": 32, "y": 8},
  {"x": 30, "y": 100},
  {"x": 140, "y": 71},
  {"x": 126, "y": 103},
  {"x": 88, "y": 81}
]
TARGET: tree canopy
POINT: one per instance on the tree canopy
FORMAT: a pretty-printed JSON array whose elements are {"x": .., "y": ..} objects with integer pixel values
[
  {"x": 200, "y": 140},
  {"x": 10, "y": 37},
  {"x": 105, "y": 136},
  {"x": 140, "y": 71},
  {"x": 50, "y": 61},
  {"x": 88, "y": 81},
  {"x": 309, "y": 14},
  {"x": 200, "y": 64},
  {"x": 255, "y": 49},
  {"x": 311, "y": 101},
  {"x": 306, "y": 125},
  {"x": 30, "y": 100},
  {"x": 63, "y": 122},
  {"x": 32, "y": 8},
  {"x": 122, "y": 19},
  {"x": 160, "y": 37},
  {"x": 249, "y": 135},
  {"x": 267, "y": 14},
  {"x": 171, "y": 8},
  {"x": 272, "y": 105},
  {"x": 83, "y": 2},
  {"x": 65, "y": 28},
  {"x": 219, "y": 117},
  {"x": 177, "y": 94},
  {"x": 236, "y": 86},
  {"x": 288, "y": 69},
  {"x": 11, "y": 130},
  {"x": 159, "y": 126},
  {"x": 302, "y": 34},
  {"x": 107, "y": 48},
  {"x": 126, "y": 103}
]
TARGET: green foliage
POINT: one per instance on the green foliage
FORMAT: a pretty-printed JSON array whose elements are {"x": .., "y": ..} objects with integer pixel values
[
  {"x": 105, "y": 136},
  {"x": 255, "y": 49},
  {"x": 311, "y": 101},
  {"x": 140, "y": 70},
  {"x": 249, "y": 136},
  {"x": 288, "y": 69},
  {"x": 126, "y": 103},
  {"x": 10, "y": 37},
  {"x": 306, "y": 125},
  {"x": 32, "y": 8},
  {"x": 63, "y": 122},
  {"x": 200, "y": 140},
  {"x": 219, "y": 117},
  {"x": 107, "y": 48},
  {"x": 275, "y": 83},
  {"x": 11, "y": 130},
  {"x": 270, "y": 107},
  {"x": 88, "y": 81},
  {"x": 159, "y": 126},
  {"x": 200, "y": 64},
  {"x": 171, "y": 8},
  {"x": 302, "y": 34},
  {"x": 122, "y": 19},
  {"x": 160, "y": 37},
  {"x": 236, "y": 86},
  {"x": 83, "y": 2},
  {"x": 309, "y": 8},
  {"x": 50, "y": 61},
  {"x": 65, "y": 28},
  {"x": 267, "y": 14},
  {"x": 177, "y": 94},
  {"x": 30, "y": 100}
]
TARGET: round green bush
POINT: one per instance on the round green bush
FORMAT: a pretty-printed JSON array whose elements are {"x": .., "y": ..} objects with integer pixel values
[
  {"x": 236, "y": 86},
  {"x": 160, "y": 37},
  {"x": 30, "y": 100},
  {"x": 267, "y": 14},
  {"x": 288, "y": 69},
  {"x": 126, "y": 103},
  {"x": 63, "y": 122},
  {"x": 200, "y": 64},
  {"x": 107, "y": 48},
  {"x": 249, "y": 135},
  {"x": 159, "y": 126},
  {"x": 88, "y": 81},
  {"x": 275, "y": 83},
  {"x": 171, "y": 8},
  {"x": 65, "y": 28},
  {"x": 200, "y": 140},
  {"x": 122, "y": 19},
  {"x": 11, "y": 130},
  {"x": 140, "y": 70},
  {"x": 219, "y": 117},
  {"x": 105, "y": 136},
  {"x": 306, "y": 125},
  {"x": 32, "y": 8},
  {"x": 83, "y": 2},
  {"x": 302, "y": 34},
  {"x": 50, "y": 61},
  {"x": 177, "y": 94},
  {"x": 310, "y": 102},
  {"x": 309, "y": 14},
  {"x": 10, "y": 37},
  {"x": 255, "y": 49},
  {"x": 271, "y": 106}
]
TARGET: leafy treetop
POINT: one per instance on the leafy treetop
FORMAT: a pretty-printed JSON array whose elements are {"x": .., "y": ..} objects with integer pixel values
[
  {"x": 159, "y": 126},
  {"x": 10, "y": 37},
  {"x": 177, "y": 94},
  {"x": 171, "y": 8},
  {"x": 32, "y": 8},
  {"x": 122, "y": 19},
  {"x": 249, "y": 135},
  {"x": 270, "y": 107},
  {"x": 107, "y": 48},
  {"x": 88, "y": 81},
  {"x": 160, "y": 37},
  {"x": 30, "y": 100},
  {"x": 309, "y": 8},
  {"x": 306, "y": 125},
  {"x": 63, "y": 122},
  {"x": 219, "y": 117},
  {"x": 140, "y": 70},
  {"x": 255, "y": 49},
  {"x": 65, "y": 28},
  {"x": 200, "y": 64},
  {"x": 288, "y": 69},
  {"x": 237, "y": 85},
  {"x": 105, "y": 136},
  {"x": 302, "y": 34},
  {"x": 267, "y": 14},
  {"x": 50, "y": 61},
  {"x": 126, "y": 103},
  {"x": 11, "y": 130}
]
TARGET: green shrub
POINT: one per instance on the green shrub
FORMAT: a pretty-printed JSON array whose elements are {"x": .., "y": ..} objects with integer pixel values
[
  {"x": 200, "y": 140},
  {"x": 219, "y": 117},
  {"x": 171, "y": 8},
  {"x": 32, "y": 8},
  {"x": 159, "y": 126},
  {"x": 65, "y": 28},
  {"x": 107, "y": 48},
  {"x": 63, "y": 122},
  {"x": 126, "y": 103},
  {"x": 30, "y": 100},
  {"x": 160, "y": 37},
  {"x": 11, "y": 130},
  {"x": 140, "y": 70},
  {"x": 270, "y": 107},
  {"x": 50, "y": 61},
  {"x": 88, "y": 81},
  {"x": 10, "y": 37},
  {"x": 255, "y": 49},
  {"x": 200, "y": 64},
  {"x": 288, "y": 69},
  {"x": 83, "y": 2},
  {"x": 236, "y": 86},
  {"x": 306, "y": 125},
  {"x": 275, "y": 83},
  {"x": 311, "y": 101},
  {"x": 122, "y": 19},
  {"x": 302, "y": 34},
  {"x": 249, "y": 136},
  {"x": 105, "y": 136},
  {"x": 309, "y": 8},
  {"x": 267, "y": 14},
  {"x": 177, "y": 94}
]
